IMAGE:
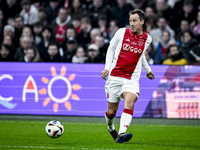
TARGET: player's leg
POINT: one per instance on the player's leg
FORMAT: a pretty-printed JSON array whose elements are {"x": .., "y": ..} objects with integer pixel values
[
  {"x": 113, "y": 92},
  {"x": 110, "y": 118},
  {"x": 126, "y": 117}
]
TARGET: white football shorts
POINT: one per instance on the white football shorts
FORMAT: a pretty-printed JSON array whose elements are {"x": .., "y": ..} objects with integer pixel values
[{"x": 115, "y": 86}]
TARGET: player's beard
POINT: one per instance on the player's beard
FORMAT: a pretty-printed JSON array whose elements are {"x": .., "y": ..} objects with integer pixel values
[{"x": 134, "y": 30}]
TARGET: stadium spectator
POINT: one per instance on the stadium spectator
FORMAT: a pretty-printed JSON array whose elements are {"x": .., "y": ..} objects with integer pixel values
[
  {"x": 2, "y": 18},
  {"x": 184, "y": 26},
  {"x": 80, "y": 56},
  {"x": 19, "y": 24},
  {"x": 120, "y": 12},
  {"x": 163, "y": 9},
  {"x": 84, "y": 36},
  {"x": 53, "y": 53},
  {"x": 175, "y": 57},
  {"x": 52, "y": 10},
  {"x": 10, "y": 21},
  {"x": 29, "y": 12},
  {"x": 150, "y": 19},
  {"x": 178, "y": 7},
  {"x": 100, "y": 42},
  {"x": 113, "y": 27},
  {"x": 162, "y": 46},
  {"x": 32, "y": 55},
  {"x": 87, "y": 4},
  {"x": 93, "y": 54},
  {"x": 7, "y": 40},
  {"x": 26, "y": 31},
  {"x": 94, "y": 11},
  {"x": 60, "y": 25},
  {"x": 150, "y": 61},
  {"x": 94, "y": 32},
  {"x": 188, "y": 12},
  {"x": 47, "y": 38},
  {"x": 76, "y": 9},
  {"x": 156, "y": 34},
  {"x": 102, "y": 25},
  {"x": 10, "y": 30},
  {"x": 37, "y": 32},
  {"x": 43, "y": 17},
  {"x": 21, "y": 51},
  {"x": 166, "y": 55},
  {"x": 172, "y": 3},
  {"x": 196, "y": 29},
  {"x": 76, "y": 23},
  {"x": 37, "y": 4},
  {"x": 101, "y": 13},
  {"x": 140, "y": 4},
  {"x": 5, "y": 53},
  {"x": 70, "y": 50},
  {"x": 189, "y": 44},
  {"x": 10, "y": 9},
  {"x": 70, "y": 32},
  {"x": 151, "y": 52}
]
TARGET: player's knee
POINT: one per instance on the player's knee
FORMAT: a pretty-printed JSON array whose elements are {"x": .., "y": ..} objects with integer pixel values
[
  {"x": 112, "y": 113},
  {"x": 129, "y": 104}
]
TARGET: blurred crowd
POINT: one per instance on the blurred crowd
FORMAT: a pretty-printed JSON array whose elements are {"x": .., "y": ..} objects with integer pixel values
[{"x": 79, "y": 31}]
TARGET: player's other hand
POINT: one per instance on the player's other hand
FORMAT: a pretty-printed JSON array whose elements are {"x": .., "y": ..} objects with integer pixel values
[
  {"x": 104, "y": 74},
  {"x": 150, "y": 75}
]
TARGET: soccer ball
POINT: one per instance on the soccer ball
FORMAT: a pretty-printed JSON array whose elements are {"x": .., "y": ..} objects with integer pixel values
[{"x": 54, "y": 129}]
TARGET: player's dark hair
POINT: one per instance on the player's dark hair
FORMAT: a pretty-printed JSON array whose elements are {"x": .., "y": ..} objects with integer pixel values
[{"x": 140, "y": 13}]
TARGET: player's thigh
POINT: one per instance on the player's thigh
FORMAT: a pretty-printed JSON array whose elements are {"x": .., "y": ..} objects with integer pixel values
[
  {"x": 131, "y": 86},
  {"x": 113, "y": 89},
  {"x": 129, "y": 100}
]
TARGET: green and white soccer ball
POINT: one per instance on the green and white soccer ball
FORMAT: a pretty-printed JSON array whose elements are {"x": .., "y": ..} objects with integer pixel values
[{"x": 54, "y": 129}]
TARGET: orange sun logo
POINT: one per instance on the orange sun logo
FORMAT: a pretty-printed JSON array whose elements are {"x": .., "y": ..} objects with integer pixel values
[{"x": 69, "y": 93}]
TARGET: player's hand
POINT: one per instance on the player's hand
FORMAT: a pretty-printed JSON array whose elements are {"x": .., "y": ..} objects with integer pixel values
[
  {"x": 104, "y": 74},
  {"x": 150, "y": 75}
]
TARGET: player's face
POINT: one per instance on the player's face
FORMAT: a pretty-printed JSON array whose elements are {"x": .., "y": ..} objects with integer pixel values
[{"x": 135, "y": 23}]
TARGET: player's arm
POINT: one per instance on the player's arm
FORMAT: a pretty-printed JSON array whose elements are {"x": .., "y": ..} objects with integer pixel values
[
  {"x": 146, "y": 67},
  {"x": 110, "y": 54},
  {"x": 109, "y": 59}
]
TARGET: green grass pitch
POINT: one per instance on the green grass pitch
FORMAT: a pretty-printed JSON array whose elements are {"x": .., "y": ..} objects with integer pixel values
[{"x": 23, "y": 135}]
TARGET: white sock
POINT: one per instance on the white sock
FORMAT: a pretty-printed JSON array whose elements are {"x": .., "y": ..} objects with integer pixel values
[
  {"x": 110, "y": 122},
  {"x": 125, "y": 120}
]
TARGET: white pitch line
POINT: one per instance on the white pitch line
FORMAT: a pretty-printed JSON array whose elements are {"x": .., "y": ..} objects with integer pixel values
[
  {"x": 100, "y": 124},
  {"x": 70, "y": 148}
]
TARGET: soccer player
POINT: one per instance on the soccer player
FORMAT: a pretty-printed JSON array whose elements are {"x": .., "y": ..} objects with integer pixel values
[{"x": 124, "y": 58}]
